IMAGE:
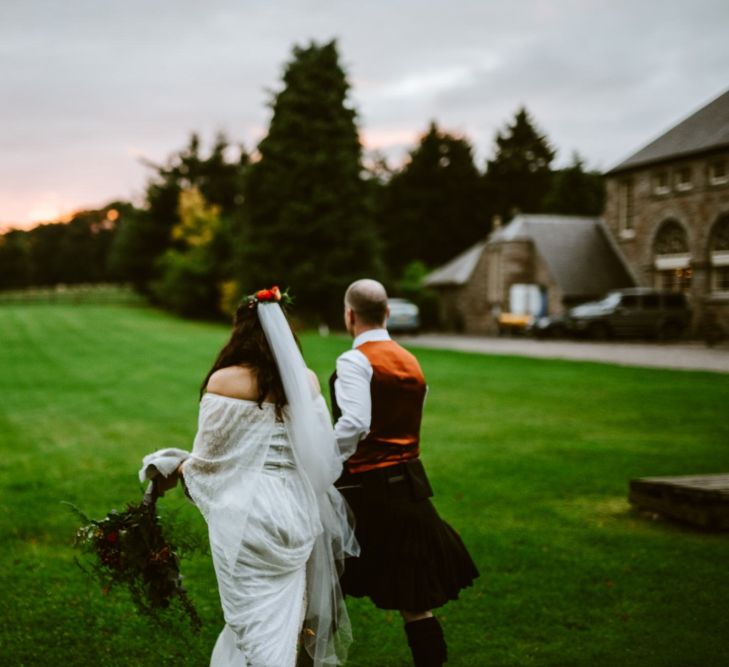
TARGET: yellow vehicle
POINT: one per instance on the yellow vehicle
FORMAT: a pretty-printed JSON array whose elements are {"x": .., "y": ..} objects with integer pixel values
[{"x": 513, "y": 323}]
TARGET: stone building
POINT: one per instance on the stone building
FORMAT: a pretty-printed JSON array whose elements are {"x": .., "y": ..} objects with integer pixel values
[
  {"x": 565, "y": 260},
  {"x": 666, "y": 225},
  {"x": 463, "y": 291},
  {"x": 668, "y": 209}
]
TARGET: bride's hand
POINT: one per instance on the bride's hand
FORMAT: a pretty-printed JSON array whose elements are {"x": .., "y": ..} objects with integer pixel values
[{"x": 164, "y": 484}]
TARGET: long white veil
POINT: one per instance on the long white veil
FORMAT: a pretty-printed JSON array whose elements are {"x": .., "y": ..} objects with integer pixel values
[{"x": 327, "y": 632}]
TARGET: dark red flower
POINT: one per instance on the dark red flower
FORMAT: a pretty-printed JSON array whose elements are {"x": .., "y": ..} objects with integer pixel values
[{"x": 112, "y": 537}]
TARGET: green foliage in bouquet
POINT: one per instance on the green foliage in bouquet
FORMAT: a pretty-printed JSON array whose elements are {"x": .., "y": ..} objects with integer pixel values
[{"x": 130, "y": 549}]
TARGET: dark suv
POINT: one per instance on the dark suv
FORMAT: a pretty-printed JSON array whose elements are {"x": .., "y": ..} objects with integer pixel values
[{"x": 637, "y": 311}]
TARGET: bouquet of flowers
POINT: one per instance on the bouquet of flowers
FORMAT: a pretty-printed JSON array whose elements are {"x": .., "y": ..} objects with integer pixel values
[{"x": 130, "y": 549}]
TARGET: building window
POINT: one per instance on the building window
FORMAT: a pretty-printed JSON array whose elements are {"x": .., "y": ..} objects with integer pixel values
[
  {"x": 720, "y": 282},
  {"x": 626, "y": 206},
  {"x": 671, "y": 258},
  {"x": 719, "y": 172},
  {"x": 671, "y": 239},
  {"x": 661, "y": 185},
  {"x": 719, "y": 255},
  {"x": 683, "y": 179},
  {"x": 674, "y": 280}
]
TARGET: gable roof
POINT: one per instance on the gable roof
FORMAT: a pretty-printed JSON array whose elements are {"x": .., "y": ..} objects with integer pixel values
[
  {"x": 705, "y": 129},
  {"x": 578, "y": 251},
  {"x": 458, "y": 271}
]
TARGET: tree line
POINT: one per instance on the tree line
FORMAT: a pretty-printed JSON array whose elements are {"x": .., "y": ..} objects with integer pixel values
[{"x": 306, "y": 209}]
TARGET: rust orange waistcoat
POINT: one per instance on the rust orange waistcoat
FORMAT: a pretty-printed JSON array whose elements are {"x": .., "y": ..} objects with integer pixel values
[{"x": 397, "y": 390}]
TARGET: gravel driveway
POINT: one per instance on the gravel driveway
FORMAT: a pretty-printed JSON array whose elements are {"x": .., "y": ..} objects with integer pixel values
[{"x": 684, "y": 356}]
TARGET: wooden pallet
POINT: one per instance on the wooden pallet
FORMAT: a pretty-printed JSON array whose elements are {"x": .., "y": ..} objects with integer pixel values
[{"x": 702, "y": 500}]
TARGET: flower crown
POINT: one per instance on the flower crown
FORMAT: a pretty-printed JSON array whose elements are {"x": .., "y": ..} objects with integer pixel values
[{"x": 272, "y": 295}]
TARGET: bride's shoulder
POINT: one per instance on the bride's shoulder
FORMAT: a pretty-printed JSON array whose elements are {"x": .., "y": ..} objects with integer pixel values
[
  {"x": 234, "y": 382},
  {"x": 314, "y": 379}
]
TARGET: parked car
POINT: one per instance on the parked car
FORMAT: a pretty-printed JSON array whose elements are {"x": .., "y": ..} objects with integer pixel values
[
  {"x": 637, "y": 311},
  {"x": 404, "y": 316},
  {"x": 547, "y": 327}
]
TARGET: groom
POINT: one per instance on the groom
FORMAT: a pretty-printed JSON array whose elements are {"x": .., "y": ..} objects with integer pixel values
[{"x": 411, "y": 560}]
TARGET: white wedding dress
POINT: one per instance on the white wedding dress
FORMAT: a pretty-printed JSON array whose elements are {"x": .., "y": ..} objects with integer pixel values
[{"x": 273, "y": 539}]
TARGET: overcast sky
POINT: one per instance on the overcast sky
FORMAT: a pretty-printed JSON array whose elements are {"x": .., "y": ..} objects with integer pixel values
[{"x": 89, "y": 86}]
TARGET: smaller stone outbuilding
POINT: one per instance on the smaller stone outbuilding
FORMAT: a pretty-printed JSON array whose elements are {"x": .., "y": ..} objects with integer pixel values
[{"x": 566, "y": 260}]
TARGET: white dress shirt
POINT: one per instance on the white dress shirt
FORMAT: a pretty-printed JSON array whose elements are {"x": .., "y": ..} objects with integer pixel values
[{"x": 352, "y": 390}]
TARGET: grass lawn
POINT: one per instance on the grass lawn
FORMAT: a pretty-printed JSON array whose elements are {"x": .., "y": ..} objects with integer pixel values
[{"x": 529, "y": 459}]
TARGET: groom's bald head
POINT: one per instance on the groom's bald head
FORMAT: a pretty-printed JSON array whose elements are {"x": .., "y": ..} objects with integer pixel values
[{"x": 368, "y": 299}]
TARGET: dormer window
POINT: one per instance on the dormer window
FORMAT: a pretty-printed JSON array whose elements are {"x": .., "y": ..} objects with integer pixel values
[
  {"x": 661, "y": 185},
  {"x": 683, "y": 179},
  {"x": 719, "y": 172}
]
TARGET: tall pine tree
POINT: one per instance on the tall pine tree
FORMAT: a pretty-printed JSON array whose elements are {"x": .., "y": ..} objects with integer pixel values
[
  {"x": 308, "y": 224},
  {"x": 434, "y": 208},
  {"x": 519, "y": 176},
  {"x": 576, "y": 191}
]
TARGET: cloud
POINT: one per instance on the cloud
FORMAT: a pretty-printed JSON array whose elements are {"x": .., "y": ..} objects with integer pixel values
[{"x": 82, "y": 81}]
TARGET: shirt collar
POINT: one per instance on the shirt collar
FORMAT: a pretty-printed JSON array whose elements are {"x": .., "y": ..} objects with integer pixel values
[{"x": 370, "y": 336}]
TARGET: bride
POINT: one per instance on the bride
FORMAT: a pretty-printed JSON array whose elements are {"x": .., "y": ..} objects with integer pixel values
[{"x": 261, "y": 472}]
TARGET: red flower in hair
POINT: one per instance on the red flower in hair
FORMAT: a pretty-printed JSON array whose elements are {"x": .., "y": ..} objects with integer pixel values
[
  {"x": 272, "y": 295},
  {"x": 265, "y": 295}
]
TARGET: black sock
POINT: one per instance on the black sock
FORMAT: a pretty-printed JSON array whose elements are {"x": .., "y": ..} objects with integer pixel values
[{"x": 426, "y": 641}]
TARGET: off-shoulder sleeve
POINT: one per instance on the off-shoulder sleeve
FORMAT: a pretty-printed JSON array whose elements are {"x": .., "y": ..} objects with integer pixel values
[{"x": 222, "y": 472}]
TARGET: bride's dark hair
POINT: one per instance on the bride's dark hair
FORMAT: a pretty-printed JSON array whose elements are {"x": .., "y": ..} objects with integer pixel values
[{"x": 248, "y": 347}]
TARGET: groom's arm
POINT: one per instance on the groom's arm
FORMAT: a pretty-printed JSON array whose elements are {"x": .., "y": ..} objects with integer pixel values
[{"x": 352, "y": 388}]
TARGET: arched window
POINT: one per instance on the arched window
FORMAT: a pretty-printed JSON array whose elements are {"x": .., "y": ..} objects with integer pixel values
[
  {"x": 719, "y": 255},
  {"x": 671, "y": 257}
]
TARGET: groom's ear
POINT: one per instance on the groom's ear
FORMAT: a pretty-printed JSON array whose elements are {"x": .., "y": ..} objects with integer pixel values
[{"x": 349, "y": 316}]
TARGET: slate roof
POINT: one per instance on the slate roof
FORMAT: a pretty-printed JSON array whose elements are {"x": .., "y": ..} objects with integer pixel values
[
  {"x": 704, "y": 130},
  {"x": 579, "y": 253},
  {"x": 458, "y": 271}
]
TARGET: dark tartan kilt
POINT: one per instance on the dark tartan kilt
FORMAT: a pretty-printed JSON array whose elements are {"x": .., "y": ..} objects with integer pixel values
[{"x": 410, "y": 558}]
